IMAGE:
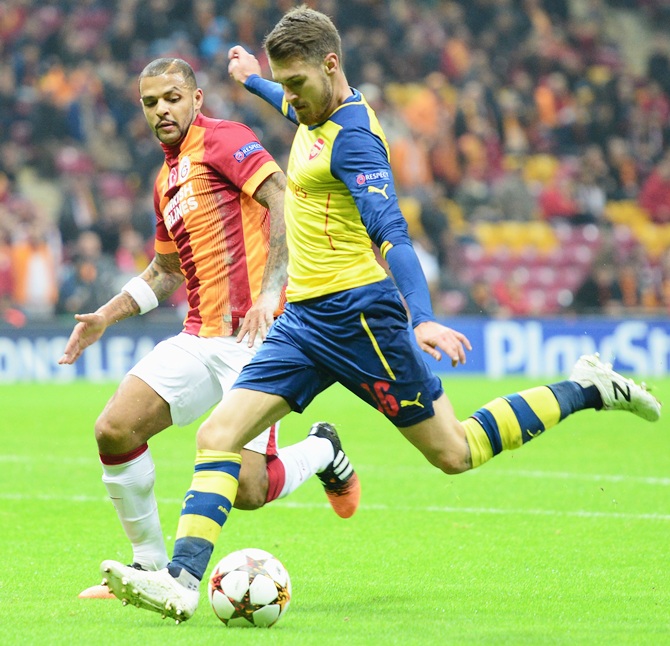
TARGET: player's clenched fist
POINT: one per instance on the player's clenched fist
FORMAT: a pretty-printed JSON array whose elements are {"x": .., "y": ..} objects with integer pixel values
[{"x": 242, "y": 64}]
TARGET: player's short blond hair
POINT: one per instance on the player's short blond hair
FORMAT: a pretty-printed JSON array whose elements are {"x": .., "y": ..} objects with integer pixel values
[{"x": 303, "y": 34}]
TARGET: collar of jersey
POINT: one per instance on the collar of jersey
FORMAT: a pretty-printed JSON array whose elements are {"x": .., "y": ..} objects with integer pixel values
[{"x": 355, "y": 97}]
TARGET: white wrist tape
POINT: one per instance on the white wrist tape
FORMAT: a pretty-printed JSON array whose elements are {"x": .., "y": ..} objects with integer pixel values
[{"x": 143, "y": 295}]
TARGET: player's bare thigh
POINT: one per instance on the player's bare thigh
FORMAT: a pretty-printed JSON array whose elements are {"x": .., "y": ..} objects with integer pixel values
[
  {"x": 441, "y": 438},
  {"x": 240, "y": 416},
  {"x": 133, "y": 415}
]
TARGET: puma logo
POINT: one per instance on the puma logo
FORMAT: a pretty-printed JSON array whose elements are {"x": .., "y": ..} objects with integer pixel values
[
  {"x": 411, "y": 402},
  {"x": 382, "y": 191},
  {"x": 183, "y": 505},
  {"x": 223, "y": 510}
]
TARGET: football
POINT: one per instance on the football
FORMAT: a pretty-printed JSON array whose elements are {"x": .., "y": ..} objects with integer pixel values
[{"x": 249, "y": 587}]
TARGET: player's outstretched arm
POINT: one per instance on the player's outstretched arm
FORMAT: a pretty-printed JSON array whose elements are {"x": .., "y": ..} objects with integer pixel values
[
  {"x": 433, "y": 337},
  {"x": 260, "y": 316},
  {"x": 161, "y": 277},
  {"x": 242, "y": 64}
]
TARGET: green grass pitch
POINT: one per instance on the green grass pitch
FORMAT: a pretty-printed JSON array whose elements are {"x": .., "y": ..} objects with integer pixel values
[{"x": 565, "y": 541}]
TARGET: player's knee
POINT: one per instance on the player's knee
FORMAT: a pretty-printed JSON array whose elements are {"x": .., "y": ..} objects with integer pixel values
[
  {"x": 252, "y": 488},
  {"x": 453, "y": 468},
  {"x": 249, "y": 497},
  {"x": 450, "y": 462},
  {"x": 215, "y": 436},
  {"x": 111, "y": 436},
  {"x": 208, "y": 435}
]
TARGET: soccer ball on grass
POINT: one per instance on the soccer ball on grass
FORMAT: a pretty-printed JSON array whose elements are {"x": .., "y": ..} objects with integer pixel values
[{"x": 249, "y": 587}]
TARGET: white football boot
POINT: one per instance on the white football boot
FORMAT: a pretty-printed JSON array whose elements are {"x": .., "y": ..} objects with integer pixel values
[
  {"x": 102, "y": 591},
  {"x": 617, "y": 392},
  {"x": 157, "y": 591}
]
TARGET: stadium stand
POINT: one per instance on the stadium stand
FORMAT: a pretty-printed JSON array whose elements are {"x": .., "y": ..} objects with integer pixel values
[{"x": 529, "y": 139}]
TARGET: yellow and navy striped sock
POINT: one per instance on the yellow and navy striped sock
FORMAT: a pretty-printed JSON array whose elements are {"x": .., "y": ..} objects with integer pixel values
[
  {"x": 509, "y": 422},
  {"x": 205, "y": 509}
]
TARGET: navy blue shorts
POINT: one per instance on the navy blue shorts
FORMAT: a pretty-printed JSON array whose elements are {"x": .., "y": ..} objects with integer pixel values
[{"x": 359, "y": 338}]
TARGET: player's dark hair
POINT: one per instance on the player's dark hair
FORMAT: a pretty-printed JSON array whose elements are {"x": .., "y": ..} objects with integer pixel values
[
  {"x": 171, "y": 66},
  {"x": 303, "y": 34}
]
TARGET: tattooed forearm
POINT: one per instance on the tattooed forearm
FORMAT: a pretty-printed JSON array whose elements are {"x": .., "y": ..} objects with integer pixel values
[
  {"x": 164, "y": 275},
  {"x": 271, "y": 195},
  {"x": 122, "y": 306}
]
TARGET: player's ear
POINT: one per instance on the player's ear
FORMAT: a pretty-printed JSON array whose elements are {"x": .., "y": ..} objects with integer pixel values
[
  {"x": 331, "y": 63},
  {"x": 198, "y": 99}
]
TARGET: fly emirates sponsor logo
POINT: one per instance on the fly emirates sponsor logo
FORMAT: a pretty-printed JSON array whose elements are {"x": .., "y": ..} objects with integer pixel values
[{"x": 183, "y": 202}]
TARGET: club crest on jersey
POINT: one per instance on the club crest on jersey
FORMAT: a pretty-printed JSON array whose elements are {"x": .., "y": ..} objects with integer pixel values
[
  {"x": 379, "y": 175},
  {"x": 184, "y": 168},
  {"x": 249, "y": 149},
  {"x": 317, "y": 147}
]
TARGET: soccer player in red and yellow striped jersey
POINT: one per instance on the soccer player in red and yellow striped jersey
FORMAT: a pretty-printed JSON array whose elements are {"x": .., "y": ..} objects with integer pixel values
[
  {"x": 206, "y": 212},
  {"x": 219, "y": 200}
]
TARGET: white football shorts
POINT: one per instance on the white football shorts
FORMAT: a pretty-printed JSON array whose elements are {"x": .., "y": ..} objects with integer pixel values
[{"x": 192, "y": 373}]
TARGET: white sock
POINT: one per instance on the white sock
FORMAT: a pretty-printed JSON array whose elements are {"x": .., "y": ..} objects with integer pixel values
[
  {"x": 131, "y": 488},
  {"x": 302, "y": 460}
]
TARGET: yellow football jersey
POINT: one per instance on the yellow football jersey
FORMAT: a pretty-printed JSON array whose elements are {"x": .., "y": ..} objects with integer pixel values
[{"x": 329, "y": 247}]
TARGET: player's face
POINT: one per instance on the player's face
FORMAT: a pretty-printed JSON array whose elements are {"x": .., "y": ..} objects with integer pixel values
[
  {"x": 307, "y": 87},
  {"x": 169, "y": 106}
]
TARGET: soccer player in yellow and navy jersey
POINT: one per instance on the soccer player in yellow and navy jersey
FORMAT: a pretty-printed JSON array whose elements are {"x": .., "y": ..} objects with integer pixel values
[
  {"x": 219, "y": 202},
  {"x": 345, "y": 320}
]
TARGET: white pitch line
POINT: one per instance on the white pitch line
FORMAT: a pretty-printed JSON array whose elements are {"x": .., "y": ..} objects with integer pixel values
[
  {"x": 480, "y": 511},
  {"x": 595, "y": 477},
  {"x": 491, "y": 511},
  {"x": 362, "y": 468}
]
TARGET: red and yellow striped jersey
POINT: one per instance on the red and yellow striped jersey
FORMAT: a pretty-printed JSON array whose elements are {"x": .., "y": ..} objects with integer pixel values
[{"x": 205, "y": 211}]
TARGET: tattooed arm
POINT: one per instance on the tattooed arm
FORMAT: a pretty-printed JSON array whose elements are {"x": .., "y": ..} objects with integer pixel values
[
  {"x": 163, "y": 275},
  {"x": 260, "y": 316}
]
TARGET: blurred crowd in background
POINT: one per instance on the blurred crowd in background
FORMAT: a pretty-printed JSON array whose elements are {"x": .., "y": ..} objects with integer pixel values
[{"x": 529, "y": 142}]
